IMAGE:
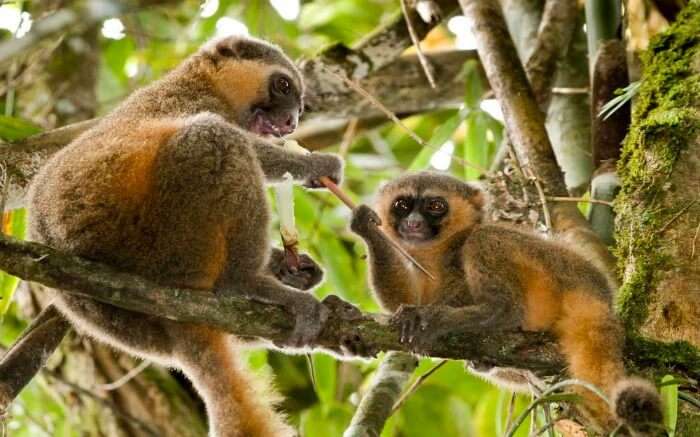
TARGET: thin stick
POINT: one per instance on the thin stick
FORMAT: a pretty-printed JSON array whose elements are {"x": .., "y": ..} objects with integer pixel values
[
  {"x": 675, "y": 217},
  {"x": 340, "y": 194},
  {"x": 427, "y": 68},
  {"x": 578, "y": 199},
  {"x": 412, "y": 389},
  {"x": 131, "y": 374}
]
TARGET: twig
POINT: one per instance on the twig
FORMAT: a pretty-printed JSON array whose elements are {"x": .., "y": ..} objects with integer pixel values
[
  {"x": 340, "y": 194},
  {"x": 348, "y": 136},
  {"x": 569, "y": 382},
  {"x": 131, "y": 374},
  {"x": 579, "y": 199},
  {"x": 511, "y": 409},
  {"x": 543, "y": 201},
  {"x": 427, "y": 68},
  {"x": 676, "y": 216},
  {"x": 373, "y": 100},
  {"x": 695, "y": 239},
  {"x": 412, "y": 389},
  {"x": 570, "y": 90}
]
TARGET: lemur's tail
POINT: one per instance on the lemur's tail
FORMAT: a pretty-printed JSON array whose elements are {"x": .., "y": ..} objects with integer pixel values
[{"x": 637, "y": 404}]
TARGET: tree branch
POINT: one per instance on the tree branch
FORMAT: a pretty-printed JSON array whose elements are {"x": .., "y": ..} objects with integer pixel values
[
  {"x": 525, "y": 121},
  {"x": 377, "y": 404},
  {"x": 556, "y": 30},
  {"x": 29, "y": 353},
  {"x": 39, "y": 263}
]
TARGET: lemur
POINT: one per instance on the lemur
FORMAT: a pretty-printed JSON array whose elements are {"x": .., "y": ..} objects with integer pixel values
[
  {"x": 171, "y": 185},
  {"x": 492, "y": 276}
]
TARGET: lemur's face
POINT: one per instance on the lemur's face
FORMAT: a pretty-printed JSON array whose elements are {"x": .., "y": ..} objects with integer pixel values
[
  {"x": 426, "y": 208},
  {"x": 417, "y": 218},
  {"x": 278, "y": 112},
  {"x": 261, "y": 84}
]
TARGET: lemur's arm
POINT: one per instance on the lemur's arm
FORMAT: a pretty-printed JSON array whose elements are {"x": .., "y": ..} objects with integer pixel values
[
  {"x": 276, "y": 161},
  {"x": 389, "y": 273}
]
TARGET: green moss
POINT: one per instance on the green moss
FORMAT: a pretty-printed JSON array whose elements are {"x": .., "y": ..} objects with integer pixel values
[
  {"x": 664, "y": 120},
  {"x": 679, "y": 357}
]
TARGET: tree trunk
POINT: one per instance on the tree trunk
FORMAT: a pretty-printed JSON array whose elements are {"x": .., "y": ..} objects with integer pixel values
[{"x": 658, "y": 208}]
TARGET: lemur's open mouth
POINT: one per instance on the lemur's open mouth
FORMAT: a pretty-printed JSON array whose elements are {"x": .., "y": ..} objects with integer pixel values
[{"x": 264, "y": 123}]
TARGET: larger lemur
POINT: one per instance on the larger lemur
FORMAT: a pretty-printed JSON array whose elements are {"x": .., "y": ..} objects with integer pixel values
[
  {"x": 170, "y": 185},
  {"x": 492, "y": 276}
]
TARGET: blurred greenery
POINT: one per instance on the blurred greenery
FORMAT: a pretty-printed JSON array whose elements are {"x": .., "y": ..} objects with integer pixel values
[{"x": 449, "y": 403}]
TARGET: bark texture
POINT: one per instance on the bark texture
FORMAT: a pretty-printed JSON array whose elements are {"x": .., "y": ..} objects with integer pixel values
[{"x": 659, "y": 208}]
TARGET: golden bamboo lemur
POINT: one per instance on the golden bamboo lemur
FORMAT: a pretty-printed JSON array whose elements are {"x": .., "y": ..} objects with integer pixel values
[
  {"x": 171, "y": 186},
  {"x": 497, "y": 277}
]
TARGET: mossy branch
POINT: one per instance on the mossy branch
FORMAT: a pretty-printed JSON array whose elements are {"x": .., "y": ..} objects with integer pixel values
[{"x": 75, "y": 275}]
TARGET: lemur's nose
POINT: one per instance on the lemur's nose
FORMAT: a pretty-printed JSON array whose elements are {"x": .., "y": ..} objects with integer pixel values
[{"x": 414, "y": 224}]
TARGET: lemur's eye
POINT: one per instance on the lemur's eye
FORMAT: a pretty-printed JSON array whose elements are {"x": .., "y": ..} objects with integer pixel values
[
  {"x": 437, "y": 206},
  {"x": 402, "y": 205},
  {"x": 282, "y": 85}
]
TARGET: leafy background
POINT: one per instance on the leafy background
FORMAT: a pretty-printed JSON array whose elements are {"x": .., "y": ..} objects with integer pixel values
[{"x": 140, "y": 48}]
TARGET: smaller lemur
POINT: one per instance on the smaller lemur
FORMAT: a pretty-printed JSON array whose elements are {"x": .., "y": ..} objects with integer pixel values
[{"x": 492, "y": 276}]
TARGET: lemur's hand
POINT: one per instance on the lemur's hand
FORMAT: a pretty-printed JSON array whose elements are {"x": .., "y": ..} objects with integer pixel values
[
  {"x": 364, "y": 220},
  {"x": 324, "y": 164},
  {"x": 307, "y": 276}
]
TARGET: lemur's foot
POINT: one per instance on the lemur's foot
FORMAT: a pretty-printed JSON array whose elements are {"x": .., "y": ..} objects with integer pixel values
[
  {"x": 351, "y": 343},
  {"x": 419, "y": 326},
  {"x": 305, "y": 277}
]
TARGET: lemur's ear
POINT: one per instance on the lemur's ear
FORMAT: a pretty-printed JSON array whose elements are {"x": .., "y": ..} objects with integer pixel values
[
  {"x": 227, "y": 47},
  {"x": 475, "y": 194}
]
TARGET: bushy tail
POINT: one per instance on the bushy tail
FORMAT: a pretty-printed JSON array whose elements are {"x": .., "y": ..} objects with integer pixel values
[
  {"x": 638, "y": 405},
  {"x": 591, "y": 339}
]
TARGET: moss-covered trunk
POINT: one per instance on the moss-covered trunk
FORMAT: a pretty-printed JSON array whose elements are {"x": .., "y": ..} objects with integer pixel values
[{"x": 659, "y": 205}]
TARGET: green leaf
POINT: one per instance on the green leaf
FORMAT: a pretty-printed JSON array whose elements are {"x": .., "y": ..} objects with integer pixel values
[
  {"x": 669, "y": 396},
  {"x": 476, "y": 146},
  {"x": 624, "y": 95},
  {"x": 13, "y": 128},
  {"x": 475, "y": 88},
  {"x": 441, "y": 134},
  {"x": 325, "y": 368}
]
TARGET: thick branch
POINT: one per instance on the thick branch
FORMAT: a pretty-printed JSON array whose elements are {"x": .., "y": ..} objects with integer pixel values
[
  {"x": 35, "y": 262},
  {"x": 556, "y": 29},
  {"x": 378, "y": 401},
  {"x": 30, "y": 353},
  {"x": 524, "y": 120},
  {"x": 39, "y": 263}
]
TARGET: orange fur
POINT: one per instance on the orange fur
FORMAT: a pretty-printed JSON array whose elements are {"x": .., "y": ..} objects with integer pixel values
[{"x": 542, "y": 301}]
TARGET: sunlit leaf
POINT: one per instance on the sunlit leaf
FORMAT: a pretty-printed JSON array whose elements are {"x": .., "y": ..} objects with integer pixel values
[{"x": 13, "y": 128}]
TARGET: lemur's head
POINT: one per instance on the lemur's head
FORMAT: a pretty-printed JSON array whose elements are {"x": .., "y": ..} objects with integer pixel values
[
  {"x": 427, "y": 208},
  {"x": 261, "y": 84}
]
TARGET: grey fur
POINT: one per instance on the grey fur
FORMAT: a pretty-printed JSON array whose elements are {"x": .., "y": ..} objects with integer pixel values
[{"x": 169, "y": 186}]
